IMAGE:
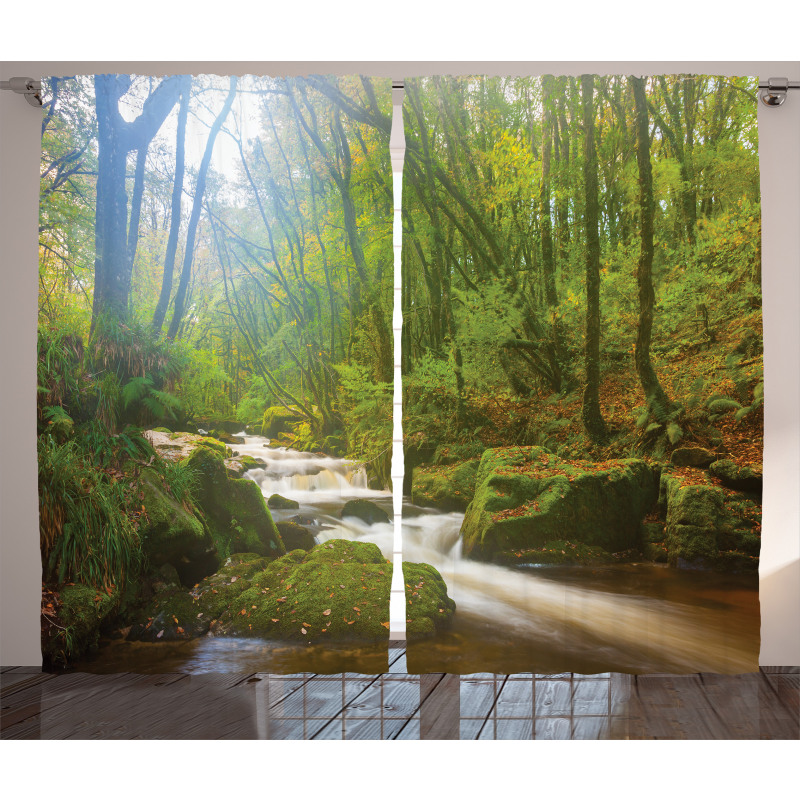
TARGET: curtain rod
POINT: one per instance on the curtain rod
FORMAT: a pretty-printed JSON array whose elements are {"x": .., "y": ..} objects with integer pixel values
[{"x": 773, "y": 92}]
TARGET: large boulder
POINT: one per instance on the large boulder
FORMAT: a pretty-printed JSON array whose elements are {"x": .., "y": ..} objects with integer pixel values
[
  {"x": 237, "y": 514},
  {"x": 526, "y": 497},
  {"x": 171, "y": 534},
  {"x": 449, "y": 487},
  {"x": 707, "y": 527},
  {"x": 429, "y": 609},
  {"x": 278, "y": 419},
  {"x": 337, "y": 591},
  {"x": 365, "y": 510},
  {"x": 174, "y": 614},
  {"x": 295, "y": 537},
  {"x": 744, "y": 479}
]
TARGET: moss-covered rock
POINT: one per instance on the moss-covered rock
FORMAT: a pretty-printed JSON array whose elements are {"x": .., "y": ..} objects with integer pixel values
[
  {"x": 172, "y": 534},
  {"x": 79, "y": 616},
  {"x": 723, "y": 405},
  {"x": 229, "y": 438},
  {"x": 162, "y": 429},
  {"x": 237, "y": 514},
  {"x": 295, "y": 537},
  {"x": 170, "y": 616},
  {"x": 526, "y": 497},
  {"x": 279, "y": 502},
  {"x": 558, "y": 551},
  {"x": 448, "y": 487},
  {"x": 429, "y": 609},
  {"x": 709, "y": 528},
  {"x": 339, "y": 590},
  {"x": 216, "y": 446},
  {"x": 744, "y": 479},
  {"x": 365, "y": 510},
  {"x": 278, "y": 419},
  {"x": 692, "y": 457}
]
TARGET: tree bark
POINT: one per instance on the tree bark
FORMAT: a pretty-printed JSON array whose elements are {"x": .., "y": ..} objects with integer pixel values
[
  {"x": 175, "y": 212},
  {"x": 197, "y": 205},
  {"x": 658, "y": 403},
  {"x": 592, "y": 416}
]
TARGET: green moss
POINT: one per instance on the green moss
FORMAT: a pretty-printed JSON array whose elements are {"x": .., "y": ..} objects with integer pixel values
[
  {"x": 216, "y": 446},
  {"x": 278, "y": 419},
  {"x": 337, "y": 591},
  {"x": 170, "y": 616},
  {"x": 526, "y": 497},
  {"x": 557, "y": 552},
  {"x": 276, "y": 501},
  {"x": 171, "y": 534},
  {"x": 234, "y": 507},
  {"x": 365, "y": 510},
  {"x": 428, "y": 607},
  {"x": 745, "y": 479},
  {"x": 81, "y": 613},
  {"x": 448, "y": 487},
  {"x": 295, "y": 537}
]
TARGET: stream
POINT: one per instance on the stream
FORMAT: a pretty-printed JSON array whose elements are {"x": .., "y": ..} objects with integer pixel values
[{"x": 640, "y": 618}]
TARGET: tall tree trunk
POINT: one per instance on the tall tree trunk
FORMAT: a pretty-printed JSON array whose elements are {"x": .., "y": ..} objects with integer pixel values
[
  {"x": 175, "y": 212},
  {"x": 592, "y": 416},
  {"x": 658, "y": 403},
  {"x": 115, "y": 139},
  {"x": 197, "y": 205}
]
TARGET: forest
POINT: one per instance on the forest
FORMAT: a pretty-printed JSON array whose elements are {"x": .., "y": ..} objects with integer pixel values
[
  {"x": 581, "y": 347},
  {"x": 215, "y": 257}
]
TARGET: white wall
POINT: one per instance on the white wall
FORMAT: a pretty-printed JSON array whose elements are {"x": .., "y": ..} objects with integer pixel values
[{"x": 779, "y": 129}]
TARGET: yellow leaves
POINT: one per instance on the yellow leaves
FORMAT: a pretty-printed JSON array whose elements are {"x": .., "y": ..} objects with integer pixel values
[
  {"x": 385, "y": 625},
  {"x": 274, "y": 619}
]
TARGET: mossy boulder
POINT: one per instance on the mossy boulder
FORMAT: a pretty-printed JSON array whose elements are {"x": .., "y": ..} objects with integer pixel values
[
  {"x": 162, "y": 429},
  {"x": 429, "y": 609},
  {"x": 339, "y": 590},
  {"x": 237, "y": 514},
  {"x": 279, "y": 502},
  {"x": 744, "y": 479},
  {"x": 295, "y": 537},
  {"x": 365, "y": 510},
  {"x": 707, "y": 527},
  {"x": 557, "y": 552},
  {"x": 448, "y": 487},
  {"x": 229, "y": 438},
  {"x": 172, "y": 534},
  {"x": 526, "y": 497},
  {"x": 692, "y": 457},
  {"x": 81, "y": 612},
  {"x": 278, "y": 419},
  {"x": 217, "y": 446}
]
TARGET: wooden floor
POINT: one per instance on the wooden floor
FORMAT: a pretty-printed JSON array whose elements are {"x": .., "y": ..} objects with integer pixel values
[{"x": 396, "y": 705}]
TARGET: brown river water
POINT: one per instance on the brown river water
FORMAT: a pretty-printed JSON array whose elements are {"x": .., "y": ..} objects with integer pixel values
[{"x": 640, "y": 618}]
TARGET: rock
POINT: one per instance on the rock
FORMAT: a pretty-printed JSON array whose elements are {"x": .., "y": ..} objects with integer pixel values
[
  {"x": 234, "y": 467},
  {"x": 170, "y": 534},
  {"x": 301, "y": 520},
  {"x": 652, "y": 532},
  {"x": 526, "y": 497},
  {"x": 365, "y": 510},
  {"x": 228, "y": 438},
  {"x": 448, "y": 487},
  {"x": 278, "y": 419},
  {"x": 744, "y": 479},
  {"x": 556, "y": 552},
  {"x": 61, "y": 426},
  {"x": 82, "y": 610},
  {"x": 291, "y": 599},
  {"x": 429, "y": 609},
  {"x": 276, "y": 501},
  {"x": 692, "y": 457},
  {"x": 295, "y": 537},
  {"x": 707, "y": 528},
  {"x": 235, "y": 508},
  {"x": 723, "y": 405}
]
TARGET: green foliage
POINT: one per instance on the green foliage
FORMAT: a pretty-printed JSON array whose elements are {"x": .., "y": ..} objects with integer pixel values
[{"x": 85, "y": 533}]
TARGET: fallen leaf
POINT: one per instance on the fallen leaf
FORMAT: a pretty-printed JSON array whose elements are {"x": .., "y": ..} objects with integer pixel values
[
  {"x": 159, "y": 634},
  {"x": 326, "y": 612},
  {"x": 274, "y": 620},
  {"x": 385, "y": 625},
  {"x": 303, "y": 630}
]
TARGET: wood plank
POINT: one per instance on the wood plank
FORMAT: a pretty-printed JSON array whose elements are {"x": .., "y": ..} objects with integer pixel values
[{"x": 440, "y": 706}]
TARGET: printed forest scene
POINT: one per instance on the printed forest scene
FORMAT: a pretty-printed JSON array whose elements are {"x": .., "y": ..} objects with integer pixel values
[
  {"x": 215, "y": 373},
  {"x": 582, "y": 373}
]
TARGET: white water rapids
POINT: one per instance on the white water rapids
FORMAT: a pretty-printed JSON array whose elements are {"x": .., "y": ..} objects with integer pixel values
[{"x": 546, "y": 610}]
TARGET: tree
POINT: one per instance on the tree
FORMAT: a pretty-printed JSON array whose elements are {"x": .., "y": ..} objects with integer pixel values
[
  {"x": 116, "y": 139},
  {"x": 658, "y": 403},
  {"x": 592, "y": 416},
  {"x": 197, "y": 207}
]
